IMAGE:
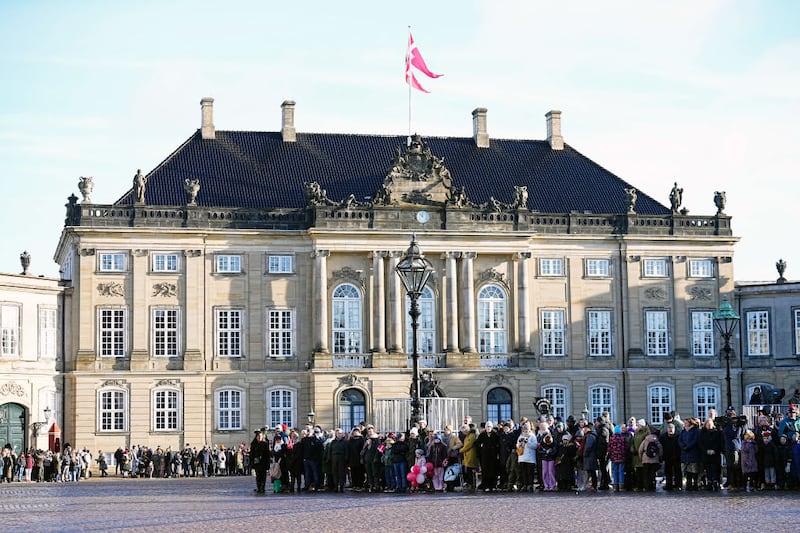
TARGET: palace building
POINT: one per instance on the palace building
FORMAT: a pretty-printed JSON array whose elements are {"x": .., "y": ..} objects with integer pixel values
[{"x": 249, "y": 280}]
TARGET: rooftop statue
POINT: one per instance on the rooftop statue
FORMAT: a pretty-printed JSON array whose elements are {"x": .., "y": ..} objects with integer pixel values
[
  {"x": 139, "y": 183},
  {"x": 676, "y": 197}
]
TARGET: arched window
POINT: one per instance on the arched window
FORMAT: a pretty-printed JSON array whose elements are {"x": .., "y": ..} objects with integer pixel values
[
  {"x": 112, "y": 410},
  {"x": 498, "y": 404},
  {"x": 346, "y": 319},
  {"x": 166, "y": 409},
  {"x": 229, "y": 409},
  {"x": 660, "y": 401},
  {"x": 491, "y": 320},
  {"x": 557, "y": 394},
  {"x": 706, "y": 396},
  {"x": 352, "y": 408},
  {"x": 426, "y": 324},
  {"x": 281, "y": 407}
]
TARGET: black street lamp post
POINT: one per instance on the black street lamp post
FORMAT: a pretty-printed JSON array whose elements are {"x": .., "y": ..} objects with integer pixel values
[
  {"x": 414, "y": 271},
  {"x": 726, "y": 320}
]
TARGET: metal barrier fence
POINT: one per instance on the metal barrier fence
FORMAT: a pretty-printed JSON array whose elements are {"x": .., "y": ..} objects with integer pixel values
[
  {"x": 751, "y": 412},
  {"x": 394, "y": 414}
]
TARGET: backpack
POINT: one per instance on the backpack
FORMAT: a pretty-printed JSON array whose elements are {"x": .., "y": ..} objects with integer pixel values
[{"x": 651, "y": 450}]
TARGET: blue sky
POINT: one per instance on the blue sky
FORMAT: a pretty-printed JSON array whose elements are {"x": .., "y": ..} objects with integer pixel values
[{"x": 703, "y": 93}]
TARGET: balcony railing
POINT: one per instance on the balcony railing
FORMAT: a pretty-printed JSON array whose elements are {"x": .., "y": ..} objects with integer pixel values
[
  {"x": 351, "y": 360},
  {"x": 495, "y": 360},
  {"x": 428, "y": 360}
]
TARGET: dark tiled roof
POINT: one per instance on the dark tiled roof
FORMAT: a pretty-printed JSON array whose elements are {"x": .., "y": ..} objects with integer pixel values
[{"x": 259, "y": 170}]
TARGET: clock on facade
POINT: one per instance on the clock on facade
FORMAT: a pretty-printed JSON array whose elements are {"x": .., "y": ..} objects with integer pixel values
[{"x": 423, "y": 216}]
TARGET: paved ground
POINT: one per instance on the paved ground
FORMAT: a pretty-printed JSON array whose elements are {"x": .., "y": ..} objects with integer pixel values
[{"x": 228, "y": 504}]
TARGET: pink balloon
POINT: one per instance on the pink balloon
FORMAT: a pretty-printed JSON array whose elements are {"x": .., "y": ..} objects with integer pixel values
[
  {"x": 429, "y": 473},
  {"x": 415, "y": 469},
  {"x": 411, "y": 476},
  {"x": 429, "y": 466},
  {"x": 420, "y": 478},
  {"x": 414, "y": 484}
]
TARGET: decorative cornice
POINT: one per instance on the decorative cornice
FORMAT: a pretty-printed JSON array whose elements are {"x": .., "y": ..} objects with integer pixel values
[
  {"x": 168, "y": 382},
  {"x": 656, "y": 293},
  {"x": 349, "y": 274},
  {"x": 700, "y": 293},
  {"x": 493, "y": 276},
  {"x": 351, "y": 379},
  {"x": 165, "y": 289},
  {"x": 500, "y": 379},
  {"x": 115, "y": 383},
  {"x": 112, "y": 288},
  {"x": 12, "y": 389}
]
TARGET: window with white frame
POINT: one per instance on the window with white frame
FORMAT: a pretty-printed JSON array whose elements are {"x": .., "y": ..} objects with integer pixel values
[
  {"x": 113, "y": 409},
  {"x": 757, "y": 332},
  {"x": 346, "y": 319},
  {"x": 797, "y": 331},
  {"x": 701, "y": 268},
  {"x": 111, "y": 330},
  {"x": 48, "y": 332},
  {"x": 599, "y": 325},
  {"x": 598, "y": 268},
  {"x": 498, "y": 404},
  {"x": 112, "y": 262},
  {"x": 163, "y": 262},
  {"x": 280, "y": 264},
  {"x": 557, "y": 394},
  {"x": 553, "y": 333},
  {"x": 165, "y": 332},
  {"x": 166, "y": 409},
  {"x": 659, "y": 402},
  {"x": 280, "y": 326},
  {"x": 228, "y": 264},
  {"x": 601, "y": 399},
  {"x": 655, "y": 268},
  {"x": 551, "y": 266},
  {"x": 282, "y": 408},
  {"x": 702, "y": 333},
  {"x": 229, "y": 332},
  {"x": 656, "y": 332},
  {"x": 492, "y": 320},
  {"x": 229, "y": 409},
  {"x": 706, "y": 397},
  {"x": 9, "y": 338},
  {"x": 426, "y": 324}
]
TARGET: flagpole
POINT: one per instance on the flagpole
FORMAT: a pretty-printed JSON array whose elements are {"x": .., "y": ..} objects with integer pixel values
[{"x": 408, "y": 140}]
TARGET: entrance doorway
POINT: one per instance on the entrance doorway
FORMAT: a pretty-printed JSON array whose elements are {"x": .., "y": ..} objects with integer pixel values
[{"x": 12, "y": 426}]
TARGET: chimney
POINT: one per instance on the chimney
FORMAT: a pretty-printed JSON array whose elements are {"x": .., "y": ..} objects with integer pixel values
[
  {"x": 207, "y": 125},
  {"x": 554, "y": 130},
  {"x": 479, "y": 128},
  {"x": 287, "y": 127}
]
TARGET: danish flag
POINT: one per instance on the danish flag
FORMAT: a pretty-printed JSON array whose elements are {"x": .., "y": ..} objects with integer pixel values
[{"x": 414, "y": 61}]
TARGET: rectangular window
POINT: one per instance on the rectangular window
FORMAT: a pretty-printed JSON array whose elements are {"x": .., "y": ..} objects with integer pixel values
[
  {"x": 558, "y": 400},
  {"x": 797, "y": 331},
  {"x": 705, "y": 398},
  {"x": 165, "y": 262},
  {"x": 281, "y": 332},
  {"x": 660, "y": 403},
  {"x": 602, "y": 399},
  {"x": 112, "y": 410},
  {"x": 702, "y": 333},
  {"x": 551, "y": 267},
  {"x": 229, "y": 264},
  {"x": 655, "y": 268},
  {"x": 657, "y": 332},
  {"x": 166, "y": 410},
  {"x": 48, "y": 333},
  {"x": 112, "y": 262},
  {"x": 229, "y": 410},
  {"x": 165, "y": 332},
  {"x": 229, "y": 333},
  {"x": 281, "y": 407},
  {"x": 757, "y": 333},
  {"x": 599, "y": 332},
  {"x": 280, "y": 264},
  {"x": 597, "y": 268},
  {"x": 701, "y": 268},
  {"x": 553, "y": 333},
  {"x": 9, "y": 318},
  {"x": 112, "y": 333}
]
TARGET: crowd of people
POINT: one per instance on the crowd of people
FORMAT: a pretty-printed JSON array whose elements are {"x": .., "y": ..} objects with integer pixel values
[
  {"x": 66, "y": 465},
  {"x": 144, "y": 462},
  {"x": 546, "y": 454}
]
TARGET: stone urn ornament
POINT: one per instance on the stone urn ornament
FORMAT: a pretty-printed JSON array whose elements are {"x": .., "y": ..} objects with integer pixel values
[{"x": 86, "y": 186}]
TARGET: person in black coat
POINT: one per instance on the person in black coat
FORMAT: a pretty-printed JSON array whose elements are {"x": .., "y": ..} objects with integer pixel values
[
  {"x": 673, "y": 480},
  {"x": 259, "y": 457},
  {"x": 354, "y": 446},
  {"x": 712, "y": 445},
  {"x": 488, "y": 444}
]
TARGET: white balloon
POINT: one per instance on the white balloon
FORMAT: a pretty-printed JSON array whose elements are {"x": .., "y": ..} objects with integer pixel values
[
  {"x": 420, "y": 478},
  {"x": 423, "y": 469}
]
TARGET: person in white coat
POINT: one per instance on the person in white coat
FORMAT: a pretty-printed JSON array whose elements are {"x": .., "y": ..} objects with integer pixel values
[{"x": 526, "y": 451}]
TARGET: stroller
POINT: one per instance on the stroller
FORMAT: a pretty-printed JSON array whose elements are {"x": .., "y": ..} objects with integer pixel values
[{"x": 454, "y": 472}]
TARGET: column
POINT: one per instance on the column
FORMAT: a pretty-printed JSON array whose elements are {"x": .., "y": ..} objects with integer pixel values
[
  {"x": 321, "y": 303},
  {"x": 523, "y": 304},
  {"x": 468, "y": 303},
  {"x": 379, "y": 302},
  {"x": 452, "y": 301},
  {"x": 395, "y": 304}
]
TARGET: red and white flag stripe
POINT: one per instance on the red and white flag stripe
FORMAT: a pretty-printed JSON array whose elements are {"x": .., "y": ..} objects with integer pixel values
[{"x": 414, "y": 61}]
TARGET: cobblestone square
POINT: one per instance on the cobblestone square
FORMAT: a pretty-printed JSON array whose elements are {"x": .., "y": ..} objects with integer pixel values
[{"x": 229, "y": 504}]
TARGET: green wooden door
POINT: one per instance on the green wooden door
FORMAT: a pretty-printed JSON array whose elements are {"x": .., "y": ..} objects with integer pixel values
[{"x": 12, "y": 426}]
